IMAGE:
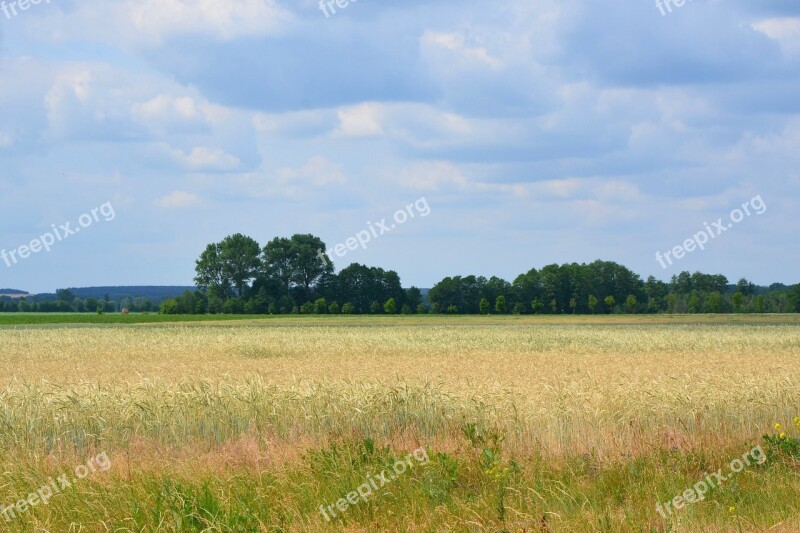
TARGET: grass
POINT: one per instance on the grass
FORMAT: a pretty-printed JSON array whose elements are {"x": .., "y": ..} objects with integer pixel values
[
  {"x": 531, "y": 423},
  {"x": 23, "y": 319},
  {"x": 39, "y": 319}
]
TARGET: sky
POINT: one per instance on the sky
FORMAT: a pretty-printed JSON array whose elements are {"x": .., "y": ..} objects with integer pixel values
[{"x": 531, "y": 132}]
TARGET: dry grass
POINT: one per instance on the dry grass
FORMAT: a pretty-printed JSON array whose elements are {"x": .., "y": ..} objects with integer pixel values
[{"x": 569, "y": 387}]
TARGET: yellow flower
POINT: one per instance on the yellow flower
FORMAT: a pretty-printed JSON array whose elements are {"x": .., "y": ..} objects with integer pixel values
[
  {"x": 777, "y": 426},
  {"x": 783, "y": 435},
  {"x": 731, "y": 509}
]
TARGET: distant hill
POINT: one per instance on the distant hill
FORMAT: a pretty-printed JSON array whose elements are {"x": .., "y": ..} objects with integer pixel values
[{"x": 12, "y": 293}]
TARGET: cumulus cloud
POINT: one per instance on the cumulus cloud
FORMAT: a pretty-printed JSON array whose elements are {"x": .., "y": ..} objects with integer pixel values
[
  {"x": 202, "y": 158},
  {"x": 149, "y": 23},
  {"x": 458, "y": 50},
  {"x": 178, "y": 111},
  {"x": 178, "y": 200},
  {"x": 360, "y": 121},
  {"x": 548, "y": 121},
  {"x": 785, "y": 30}
]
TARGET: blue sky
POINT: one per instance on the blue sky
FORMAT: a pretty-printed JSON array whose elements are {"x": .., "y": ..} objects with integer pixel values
[{"x": 538, "y": 131}]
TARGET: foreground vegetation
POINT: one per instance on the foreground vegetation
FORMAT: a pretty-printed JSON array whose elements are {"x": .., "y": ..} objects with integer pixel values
[{"x": 530, "y": 424}]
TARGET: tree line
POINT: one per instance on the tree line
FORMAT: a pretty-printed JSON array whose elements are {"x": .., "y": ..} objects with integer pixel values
[
  {"x": 607, "y": 287},
  {"x": 295, "y": 275},
  {"x": 66, "y": 301}
]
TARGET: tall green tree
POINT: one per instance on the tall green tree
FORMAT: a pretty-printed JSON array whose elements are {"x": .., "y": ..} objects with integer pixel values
[
  {"x": 738, "y": 300},
  {"x": 308, "y": 261},
  {"x": 745, "y": 287},
  {"x": 593, "y": 301},
  {"x": 230, "y": 264},
  {"x": 210, "y": 275},
  {"x": 500, "y": 305},
  {"x": 277, "y": 261},
  {"x": 630, "y": 304},
  {"x": 240, "y": 261},
  {"x": 413, "y": 297}
]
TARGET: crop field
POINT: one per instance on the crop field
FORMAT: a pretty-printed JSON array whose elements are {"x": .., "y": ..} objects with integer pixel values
[{"x": 501, "y": 423}]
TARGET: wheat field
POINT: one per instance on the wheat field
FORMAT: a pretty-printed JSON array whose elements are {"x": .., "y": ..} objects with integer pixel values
[{"x": 530, "y": 424}]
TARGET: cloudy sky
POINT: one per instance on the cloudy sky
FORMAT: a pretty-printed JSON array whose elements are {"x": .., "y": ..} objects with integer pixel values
[{"x": 538, "y": 131}]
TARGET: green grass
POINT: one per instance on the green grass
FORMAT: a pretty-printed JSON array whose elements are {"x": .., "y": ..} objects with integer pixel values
[
  {"x": 23, "y": 319},
  {"x": 476, "y": 488},
  {"x": 33, "y": 319}
]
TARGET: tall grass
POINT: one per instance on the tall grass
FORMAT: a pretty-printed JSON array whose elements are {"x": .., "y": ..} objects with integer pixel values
[{"x": 530, "y": 427}]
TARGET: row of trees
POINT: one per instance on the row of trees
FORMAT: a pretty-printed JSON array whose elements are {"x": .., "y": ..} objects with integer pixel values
[
  {"x": 66, "y": 302},
  {"x": 295, "y": 275},
  {"x": 607, "y": 287}
]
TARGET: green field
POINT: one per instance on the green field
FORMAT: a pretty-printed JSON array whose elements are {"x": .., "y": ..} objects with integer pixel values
[
  {"x": 21, "y": 319},
  {"x": 528, "y": 423}
]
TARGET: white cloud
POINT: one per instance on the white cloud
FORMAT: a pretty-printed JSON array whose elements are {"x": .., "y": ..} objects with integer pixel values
[
  {"x": 150, "y": 22},
  {"x": 363, "y": 120},
  {"x": 318, "y": 171},
  {"x": 617, "y": 191},
  {"x": 224, "y": 19},
  {"x": 433, "y": 176},
  {"x": 166, "y": 108},
  {"x": 458, "y": 48},
  {"x": 293, "y": 182},
  {"x": 178, "y": 200},
  {"x": 69, "y": 92},
  {"x": 785, "y": 30},
  {"x": 303, "y": 123},
  {"x": 203, "y": 158}
]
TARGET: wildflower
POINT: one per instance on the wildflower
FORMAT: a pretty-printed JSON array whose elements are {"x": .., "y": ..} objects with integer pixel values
[
  {"x": 732, "y": 509},
  {"x": 777, "y": 426},
  {"x": 783, "y": 435}
]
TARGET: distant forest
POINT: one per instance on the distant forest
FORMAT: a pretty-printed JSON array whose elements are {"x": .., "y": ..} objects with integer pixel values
[
  {"x": 296, "y": 276},
  {"x": 90, "y": 299}
]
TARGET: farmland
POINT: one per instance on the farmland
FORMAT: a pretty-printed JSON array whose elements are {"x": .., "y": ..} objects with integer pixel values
[{"x": 530, "y": 423}]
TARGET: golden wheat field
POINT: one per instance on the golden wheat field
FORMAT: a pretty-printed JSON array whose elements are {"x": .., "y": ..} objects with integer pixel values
[{"x": 573, "y": 401}]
